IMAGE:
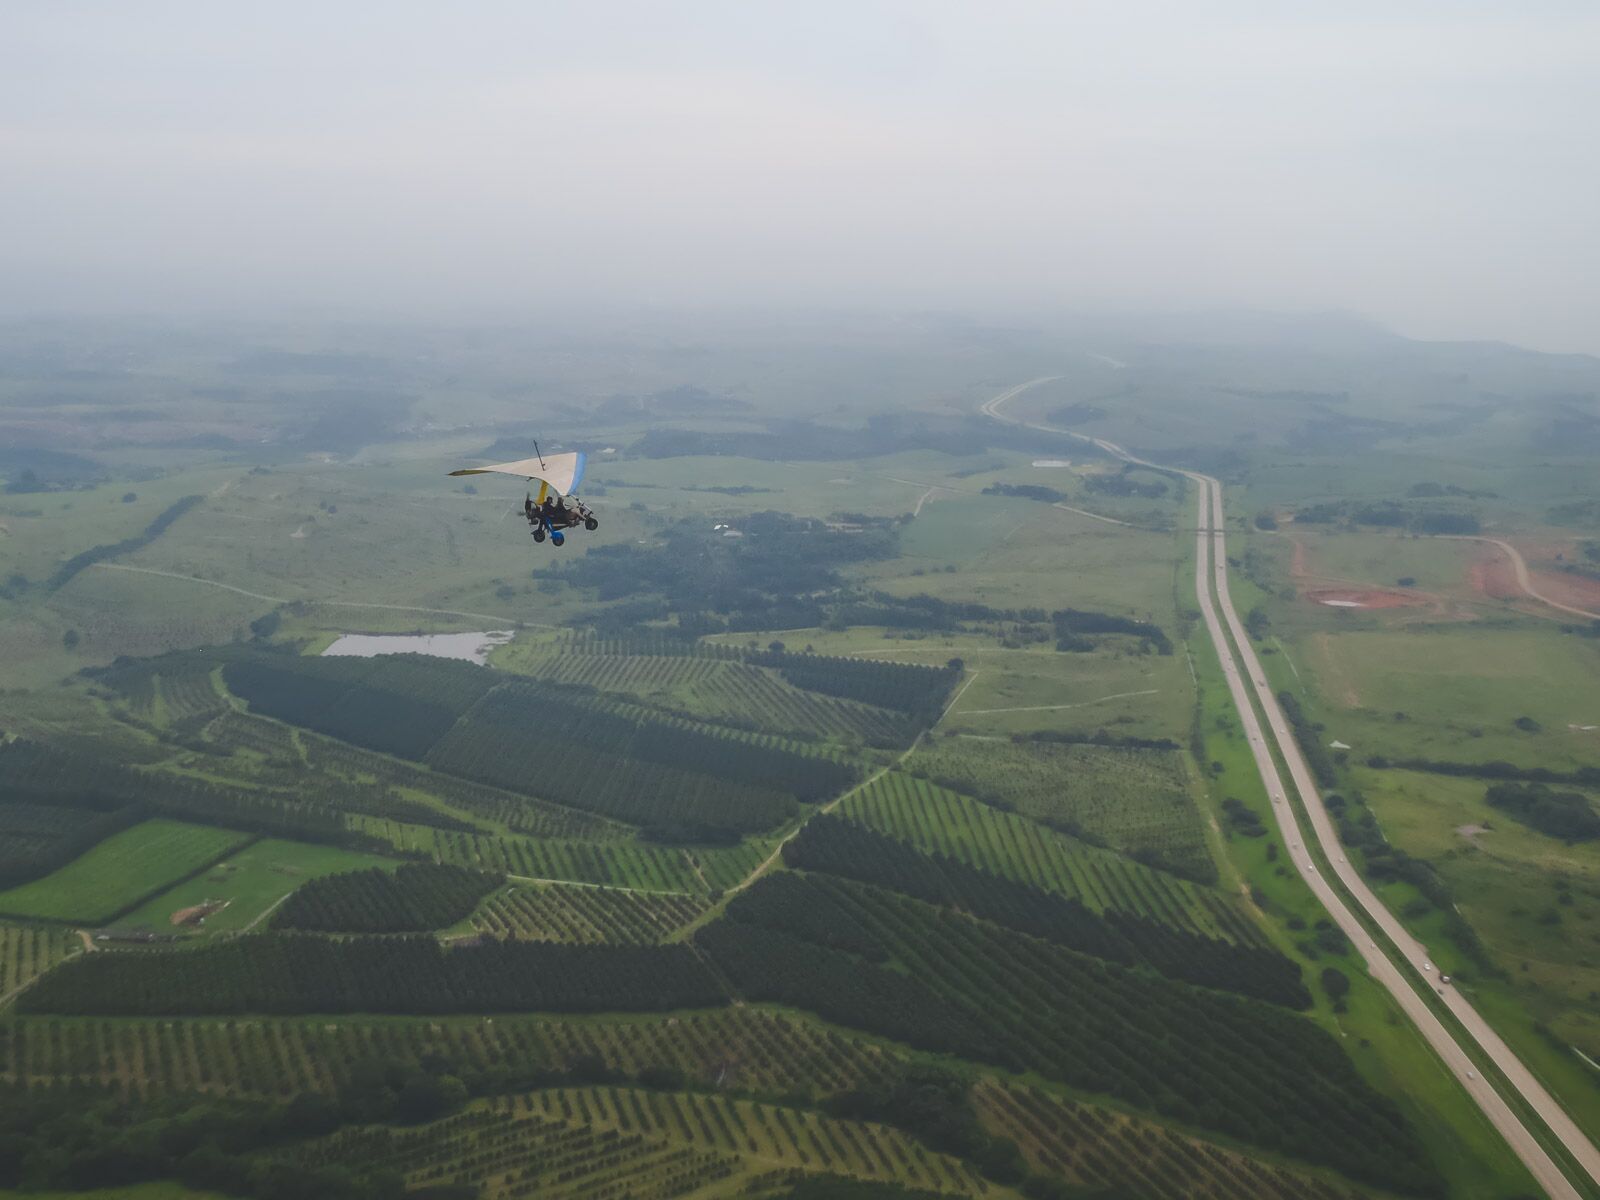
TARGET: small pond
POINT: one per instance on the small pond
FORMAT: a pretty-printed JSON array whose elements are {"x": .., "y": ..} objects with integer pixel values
[{"x": 471, "y": 647}]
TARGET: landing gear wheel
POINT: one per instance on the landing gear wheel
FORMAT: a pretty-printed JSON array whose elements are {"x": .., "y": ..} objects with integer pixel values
[
  {"x": 560, "y": 539},
  {"x": 591, "y": 524},
  {"x": 538, "y": 535}
]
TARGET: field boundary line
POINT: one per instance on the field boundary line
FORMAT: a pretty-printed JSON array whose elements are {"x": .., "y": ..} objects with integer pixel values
[
  {"x": 604, "y": 887},
  {"x": 954, "y": 700},
  {"x": 268, "y": 911},
  {"x": 974, "y": 712},
  {"x": 228, "y": 587}
]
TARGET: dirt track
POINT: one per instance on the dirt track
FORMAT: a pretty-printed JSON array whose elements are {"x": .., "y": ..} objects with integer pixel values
[{"x": 1524, "y": 577}]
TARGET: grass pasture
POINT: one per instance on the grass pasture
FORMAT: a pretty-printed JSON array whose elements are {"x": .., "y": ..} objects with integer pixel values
[
  {"x": 1461, "y": 690},
  {"x": 249, "y": 883},
  {"x": 940, "y": 821},
  {"x": 120, "y": 871},
  {"x": 1012, "y": 553},
  {"x": 1135, "y": 800}
]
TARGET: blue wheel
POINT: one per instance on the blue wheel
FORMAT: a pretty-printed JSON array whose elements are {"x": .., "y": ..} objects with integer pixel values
[{"x": 558, "y": 538}]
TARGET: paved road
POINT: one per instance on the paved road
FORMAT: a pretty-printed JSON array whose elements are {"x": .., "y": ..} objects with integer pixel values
[{"x": 1243, "y": 670}]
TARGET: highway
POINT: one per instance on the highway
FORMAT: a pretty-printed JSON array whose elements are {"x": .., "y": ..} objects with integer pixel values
[{"x": 1243, "y": 672}]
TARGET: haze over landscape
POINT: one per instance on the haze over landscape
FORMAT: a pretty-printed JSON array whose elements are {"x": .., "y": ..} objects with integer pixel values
[
  {"x": 799, "y": 602},
  {"x": 1428, "y": 165}
]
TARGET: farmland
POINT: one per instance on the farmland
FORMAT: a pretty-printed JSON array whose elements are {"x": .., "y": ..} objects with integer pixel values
[
  {"x": 121, "y": 872},
  {"x": 586, "y": 914},
  {"x": 580, "y": 1142},
  {"x": 1136, "y": 801},
  {"x": 747, "y": 1048},
  {"x": 28, "y": 951},
  {"x": 944, "y": 822},
  {"x": 706, "y": 687},
  {"x": 590, "y": 891},
  {"x": 247, "y": 884}
]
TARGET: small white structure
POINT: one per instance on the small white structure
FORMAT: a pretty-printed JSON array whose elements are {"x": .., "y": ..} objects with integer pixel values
[{"x": 1336, "y": 744}]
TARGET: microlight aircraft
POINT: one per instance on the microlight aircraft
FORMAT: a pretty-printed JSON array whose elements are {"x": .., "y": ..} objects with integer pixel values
[{"x": 556, "y": 508}]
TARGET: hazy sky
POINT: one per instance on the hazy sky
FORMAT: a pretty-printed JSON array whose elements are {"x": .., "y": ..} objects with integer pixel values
[{"x": 1434, "y": 165}]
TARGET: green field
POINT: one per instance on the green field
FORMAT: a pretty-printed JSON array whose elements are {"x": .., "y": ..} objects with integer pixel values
[
  {"x": 308, "y": 529},
  {"x": 120, "y": 871},
  {"x": 1134, "y": 800},
  {"x": 249, "y": 883},
  {"x": 1460, "y": 692},
  {"x": 943, "y": 822},
  {"x": 1387, "y": 1049}
]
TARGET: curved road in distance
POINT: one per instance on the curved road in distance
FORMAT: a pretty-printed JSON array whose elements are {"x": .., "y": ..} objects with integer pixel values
[
  {"x": 1211, "y": 557},
  {"x": 1524, "y": 579}
]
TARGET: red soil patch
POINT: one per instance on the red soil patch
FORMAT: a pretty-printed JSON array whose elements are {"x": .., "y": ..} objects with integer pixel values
[
  {"x": 1576, "y": 590},
  {"x": 1491, "y": 574},
  {"x": 197, "y": 913},
  {"x": 1365, "y": 598},
  {"x": 1297, "y": 564}
]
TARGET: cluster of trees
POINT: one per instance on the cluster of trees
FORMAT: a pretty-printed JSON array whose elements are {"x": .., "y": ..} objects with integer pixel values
[
  {"x": 536, "y": 737},
  {"x": 74, "y": 1139},
  {"x": 1308, "y": 734},
  {"x": 820, "y": 911},
  {"x": 1074, "y": 627},
  {"x": 794, "y": 904},
  {"x": 559, "y": 742},
  {"x": 1565, "y": 815},
  {"x": 918, "y": 691},
  {"x": 371, "y": 702},
  {"x": 112, "y": 797},
  {"x": 883, "y": 434},
  {"x": 936, "y": 1108},
  {"x": 1388, "y": 514},
  {"x": 87, "y": 558},
  {"x": 1242, "y": 818},
  {"x": 285, "y": 973},
  {"x": 1495, "y": 769},
  {"x": 1359, "y": 830},
  {"x": 410, "y": 899},
  {"x": 695, "y": 569},
  {"x": 765, "y": 964},
  {"x": 1246, "y": 1069},
  {"x": 1122, "y": 484},
  {"x": 1100, "y": 737},
  {"x": 1027, "y": 491}
]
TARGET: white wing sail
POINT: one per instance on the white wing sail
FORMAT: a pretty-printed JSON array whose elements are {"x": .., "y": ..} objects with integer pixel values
[{"x": 562, "y": 472}]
